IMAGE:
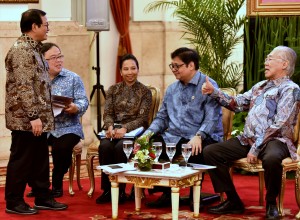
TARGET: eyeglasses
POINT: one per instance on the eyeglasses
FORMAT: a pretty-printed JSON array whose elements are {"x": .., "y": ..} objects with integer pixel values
[
  {"x": 175, "y": 66},
  {"x": 268, "y": 59},
  {"x": 60, "y": 57}
]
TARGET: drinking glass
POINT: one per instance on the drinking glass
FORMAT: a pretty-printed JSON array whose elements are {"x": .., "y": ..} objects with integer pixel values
[
  {"x": 157, "y": 147},
  {"x": 186, "y": 151},
  {"x": 127, "y": 148},
  {"x": 171, "y": 150}
]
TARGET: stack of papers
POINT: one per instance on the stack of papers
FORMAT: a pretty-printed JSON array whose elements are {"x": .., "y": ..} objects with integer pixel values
[
  {"x": 59, "y": 103},
  {"x": 201, "y": 166},
  {"x": 116, "y": 168},
  {"x": 132, "y": 134}
]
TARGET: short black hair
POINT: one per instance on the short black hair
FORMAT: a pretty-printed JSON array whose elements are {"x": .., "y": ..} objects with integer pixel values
[
  {"x": 187, "y": 55},
  {"x": 128, "y": 57},
  {"x": 47, "y": 46},
  {"x": 29, "y": 17}
]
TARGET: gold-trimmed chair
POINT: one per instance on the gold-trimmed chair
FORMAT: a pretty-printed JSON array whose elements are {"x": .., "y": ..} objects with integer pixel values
[
  {"x": 227, "y": 115},
  {"x": 297, "y": 188},
  {"x": 92, "y": 150},
  {"x": 287, "y": 165},
  {"x": 75, "y": 164}
]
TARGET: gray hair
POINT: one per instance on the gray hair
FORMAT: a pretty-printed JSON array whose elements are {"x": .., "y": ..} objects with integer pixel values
[{"x": 288, "y": 54}]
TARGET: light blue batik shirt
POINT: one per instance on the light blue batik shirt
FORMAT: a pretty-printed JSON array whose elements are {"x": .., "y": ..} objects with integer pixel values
[
  {"x": 185, "y": 112},
  {"x": 68, "y": 83}
]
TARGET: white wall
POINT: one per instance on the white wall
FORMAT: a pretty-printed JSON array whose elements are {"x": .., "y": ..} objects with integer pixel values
[
  {"x": 12, "y": 12},
  {"x": 57, "y": 10}
]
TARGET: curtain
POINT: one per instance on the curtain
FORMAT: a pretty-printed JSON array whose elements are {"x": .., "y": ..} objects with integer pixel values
[{"x": 120, "y": 11}]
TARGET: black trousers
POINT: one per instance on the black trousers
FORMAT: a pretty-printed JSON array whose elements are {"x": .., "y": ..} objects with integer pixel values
[
  {"x": 62, "y": 149},
  {"x": 111, "y": 152},
  {"x": 222, "y": 154},
  {"x": 28, "y": 164}
]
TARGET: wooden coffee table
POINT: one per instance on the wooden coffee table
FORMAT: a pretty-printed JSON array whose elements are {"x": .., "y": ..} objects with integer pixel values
[{"x": 175, "y": 178}]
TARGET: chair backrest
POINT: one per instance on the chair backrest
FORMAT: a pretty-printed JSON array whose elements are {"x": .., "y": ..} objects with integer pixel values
[
  {"x": 228, "y": 115},
  {"x": 297, "y": 135},
  {"x": 155, "y": 102}
]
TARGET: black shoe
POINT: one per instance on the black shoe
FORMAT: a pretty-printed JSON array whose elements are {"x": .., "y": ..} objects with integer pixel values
[
  {"x": 21, "y": 209},
  {"x": 105, "y": 197},
  {"x": 227, "y": 207},
  {"x": 272, "y": 212},
  {"x": 163, "y": 201},
  {"x": 30, "y": 194},
  {"x": 49, "y": 204},
  {"x": 56, "y": 193}
]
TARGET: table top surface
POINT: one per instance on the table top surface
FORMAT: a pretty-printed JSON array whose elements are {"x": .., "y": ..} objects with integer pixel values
[{"x": 174, "y": 171}]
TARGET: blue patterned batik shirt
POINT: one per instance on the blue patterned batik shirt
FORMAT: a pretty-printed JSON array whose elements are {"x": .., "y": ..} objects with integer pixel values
[{"x": 69, "y": 84}]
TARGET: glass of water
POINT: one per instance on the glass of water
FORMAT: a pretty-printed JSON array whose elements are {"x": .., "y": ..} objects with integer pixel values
[
  {"x": 127, "y": 148},
  {"x": 157, "y": 147},
  {"x": 171, "y": 150},
  {"x": 186, "y": 151}
]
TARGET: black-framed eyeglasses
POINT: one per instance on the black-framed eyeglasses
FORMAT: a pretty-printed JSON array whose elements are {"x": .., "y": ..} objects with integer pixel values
[
  {"x": 60, "y": 57},
  {"x": 175, "y": 66}
]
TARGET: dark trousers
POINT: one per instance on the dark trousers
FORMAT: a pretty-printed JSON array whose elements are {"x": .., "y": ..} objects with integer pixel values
[
  {"x": 28, "y": 164},
  {"x": 222, "y": 154},
  {"x": 111, "y": 152},
  {"x": 62, "y": 149}
]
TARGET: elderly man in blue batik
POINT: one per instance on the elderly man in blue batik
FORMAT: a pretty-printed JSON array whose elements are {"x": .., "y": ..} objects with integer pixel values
[
  {"x": 268, "y": 133},
  {"x": 186, "y": 116},
  {"x": 68, "y": 129}
]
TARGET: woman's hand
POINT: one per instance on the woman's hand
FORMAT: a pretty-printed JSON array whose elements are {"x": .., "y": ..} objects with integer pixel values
[
  {"x": 120, "y": 132},
  {"x": 110, "y": 133}
]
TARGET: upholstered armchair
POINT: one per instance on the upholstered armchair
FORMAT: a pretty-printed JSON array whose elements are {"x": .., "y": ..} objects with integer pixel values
[
  {"x": 287, "y": 165},
  {"x": 92, "y": 150},
  {"x": 227, "y": 115},
  {"x": 297, "y": 187}
]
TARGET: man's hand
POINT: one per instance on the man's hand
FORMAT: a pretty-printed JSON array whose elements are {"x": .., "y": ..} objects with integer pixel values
[
  {"x": 196, "y": 143},
  {"x": 71, "y": 109},
  {"x": 37, "y": 127},
  {"x": 251, "y": 158},
  {"x": 207, "y": 87}
]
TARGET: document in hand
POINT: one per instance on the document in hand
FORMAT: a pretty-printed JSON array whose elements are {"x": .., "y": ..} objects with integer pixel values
[
  {"x": 132, "y": 134},
  {"x": 116, "y": 168},
  {"x": 59, "y": 103}
]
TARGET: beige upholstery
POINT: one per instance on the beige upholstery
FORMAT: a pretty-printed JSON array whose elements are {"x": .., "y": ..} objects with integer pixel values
[
  {"x": 227, "y": 115},
  {"x": 76, "y": 162},
  {"x": 287, "y": 165},
  {"x": 297, "y": 189},
  {"x": 92, "y": 150}
]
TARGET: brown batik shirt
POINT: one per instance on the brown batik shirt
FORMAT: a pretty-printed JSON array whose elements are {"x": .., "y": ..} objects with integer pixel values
[
  {"x": 127, "y": 105},
  {"x": 27, "y": 86}
]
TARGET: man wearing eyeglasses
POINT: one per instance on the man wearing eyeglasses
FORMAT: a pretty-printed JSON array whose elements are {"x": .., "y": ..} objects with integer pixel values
[
  {"x": 68, "y": 129},
  {"x": 186, "y": 116},
  {"x": 29, "y": 116},
  {"x": 268, "y": 133}
]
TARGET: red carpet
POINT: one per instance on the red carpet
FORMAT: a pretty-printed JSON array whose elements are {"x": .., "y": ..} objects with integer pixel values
[{"x": 83, "y": 207}]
